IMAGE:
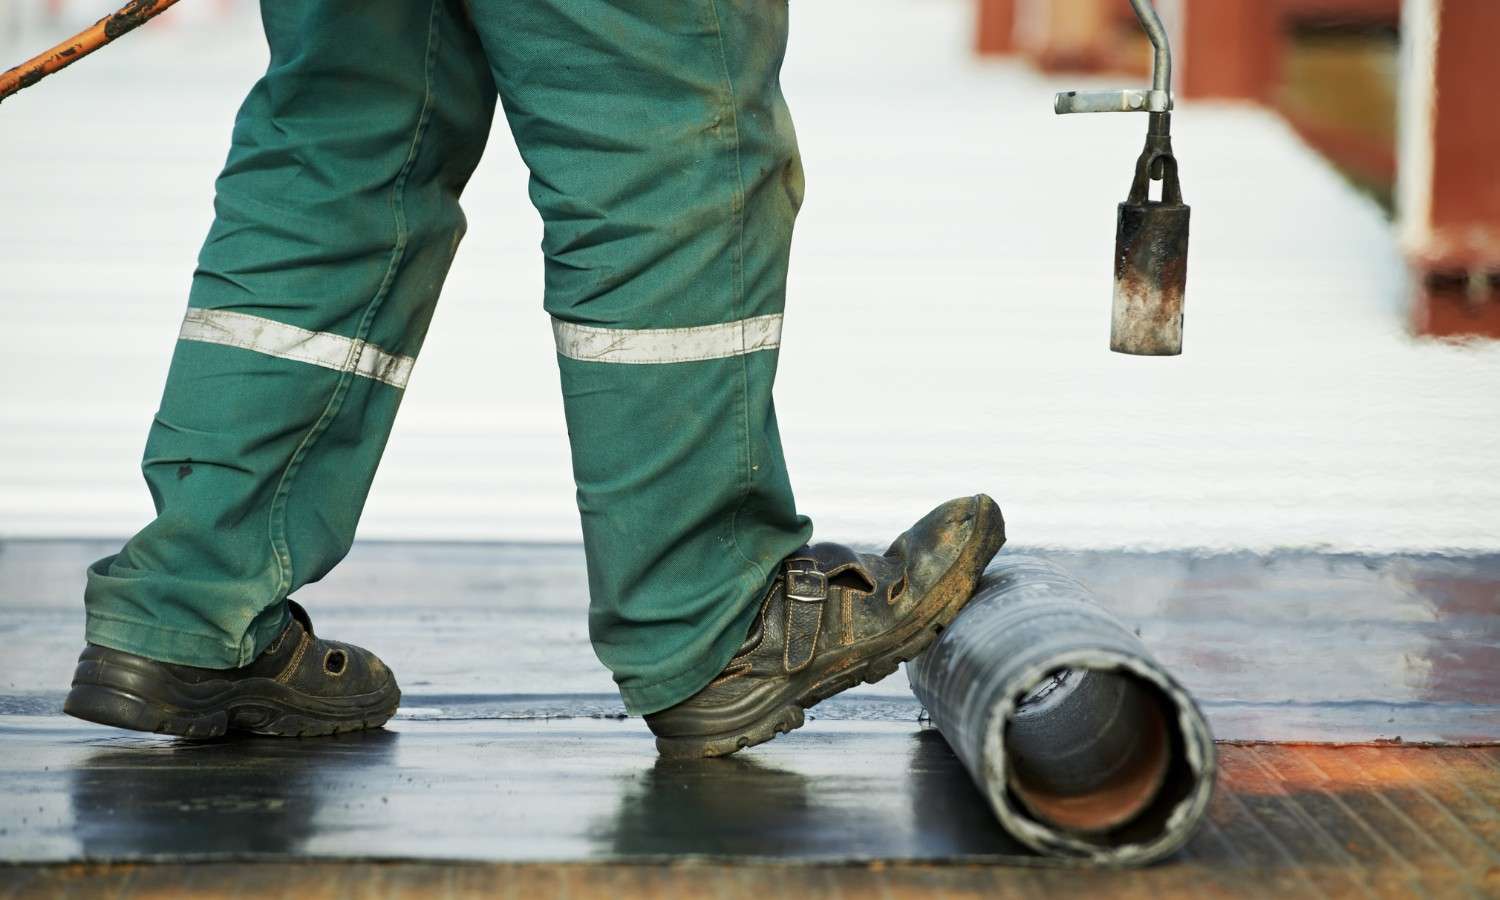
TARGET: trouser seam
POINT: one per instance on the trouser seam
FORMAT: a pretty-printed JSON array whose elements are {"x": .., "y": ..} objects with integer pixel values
[
  {"x": 279, "y": 544},
  {"x": 738, "y": 292}
]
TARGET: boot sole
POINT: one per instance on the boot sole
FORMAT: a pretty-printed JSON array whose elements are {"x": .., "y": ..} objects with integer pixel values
[
  {"x": 944, "y": 602},
  {"x": 123, "y": 691}
]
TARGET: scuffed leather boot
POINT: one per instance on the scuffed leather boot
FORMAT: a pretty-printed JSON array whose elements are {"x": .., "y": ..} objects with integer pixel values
[
  {"x": 832, "y": 619},
  {"x": 300, "y": 685}
]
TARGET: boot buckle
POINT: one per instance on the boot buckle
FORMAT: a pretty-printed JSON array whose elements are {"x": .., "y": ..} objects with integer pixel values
[{"x": 806, "y": 585}]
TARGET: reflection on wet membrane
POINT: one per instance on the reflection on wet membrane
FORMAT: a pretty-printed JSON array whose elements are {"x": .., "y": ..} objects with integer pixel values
[
  {"x": 744, "y": 807},
  {"x": 734, "y": 806},
  {"x": 234, "y": 797}
]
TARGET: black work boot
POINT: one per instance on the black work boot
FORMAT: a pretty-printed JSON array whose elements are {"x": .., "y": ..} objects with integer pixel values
[
  {"x": 832, "y": 619},
  {"x": 301, "y": 685}
]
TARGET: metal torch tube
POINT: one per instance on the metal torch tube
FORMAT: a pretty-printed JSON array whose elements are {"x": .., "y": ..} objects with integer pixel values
[
  {"x": 129, "y": 17},
  {"x": 1084, "y": 746},
  {"x": 1161, "y": 77}
]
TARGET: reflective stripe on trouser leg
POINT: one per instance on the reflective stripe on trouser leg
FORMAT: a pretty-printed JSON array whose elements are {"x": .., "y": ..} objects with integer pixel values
[
  {"x": 666, "y": 173},
  {"x": 336, "y": 220},
  {"x": 318, "y": 348},
  {"x": 644, "y": 346}
]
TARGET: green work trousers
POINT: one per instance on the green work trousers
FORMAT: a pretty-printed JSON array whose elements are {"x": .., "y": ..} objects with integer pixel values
[{"x": 665, "y": 169}]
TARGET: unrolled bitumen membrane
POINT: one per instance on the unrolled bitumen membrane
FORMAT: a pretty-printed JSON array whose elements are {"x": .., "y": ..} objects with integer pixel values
[{"x": 1084, "y": 746}]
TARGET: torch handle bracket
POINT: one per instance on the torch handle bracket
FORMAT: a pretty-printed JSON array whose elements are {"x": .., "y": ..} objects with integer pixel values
[
  {"x": 1131, "y": 100},
  {"x": 1158, "y": 99}
]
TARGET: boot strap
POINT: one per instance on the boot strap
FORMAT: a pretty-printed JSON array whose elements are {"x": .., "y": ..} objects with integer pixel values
[{"x": 806, "y": 590}]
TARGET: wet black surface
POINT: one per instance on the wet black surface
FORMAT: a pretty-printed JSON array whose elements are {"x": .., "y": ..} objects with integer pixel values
[
  {"x": 512, "y": 745},
  {"x": 536, "y": 790}
]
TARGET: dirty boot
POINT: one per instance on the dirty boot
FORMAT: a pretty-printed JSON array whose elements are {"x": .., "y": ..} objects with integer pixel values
[
  {"x": 301, "y": 685},
  {"x": 832, "y": 619}
]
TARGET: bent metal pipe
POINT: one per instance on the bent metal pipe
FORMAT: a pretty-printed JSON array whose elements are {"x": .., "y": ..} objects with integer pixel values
[{"x": 1084, "y": 746}]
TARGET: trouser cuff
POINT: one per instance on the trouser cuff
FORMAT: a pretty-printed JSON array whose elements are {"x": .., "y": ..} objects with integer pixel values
[
  {"x": 168, "y": 645},
  {"x": 642, "y": 700}
]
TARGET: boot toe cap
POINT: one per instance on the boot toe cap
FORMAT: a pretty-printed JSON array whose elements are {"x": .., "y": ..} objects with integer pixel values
[{"x": 941, "y": 538}]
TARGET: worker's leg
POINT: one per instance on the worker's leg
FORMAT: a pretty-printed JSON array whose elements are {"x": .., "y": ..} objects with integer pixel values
[
  {"x": 337, "y": 218},
  {"x": 666, "y": 171}
]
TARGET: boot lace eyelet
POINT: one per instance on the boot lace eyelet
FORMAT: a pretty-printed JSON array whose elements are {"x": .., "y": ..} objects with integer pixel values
[{"x": 334, "y": 662}]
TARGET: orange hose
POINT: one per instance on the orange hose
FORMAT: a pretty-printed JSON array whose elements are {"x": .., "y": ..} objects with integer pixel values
[{"x": 129, "y": 17}]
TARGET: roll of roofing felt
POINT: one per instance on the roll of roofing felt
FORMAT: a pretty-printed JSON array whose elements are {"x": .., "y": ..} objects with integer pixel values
[{"x": 1084, "y": 746}]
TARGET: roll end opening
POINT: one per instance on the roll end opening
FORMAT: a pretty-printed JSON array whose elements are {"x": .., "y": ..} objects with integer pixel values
[{"x": 1097, "y": 754}]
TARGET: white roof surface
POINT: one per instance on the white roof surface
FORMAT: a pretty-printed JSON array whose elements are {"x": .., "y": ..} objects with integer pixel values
[{"x": 951, "y": 271}]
